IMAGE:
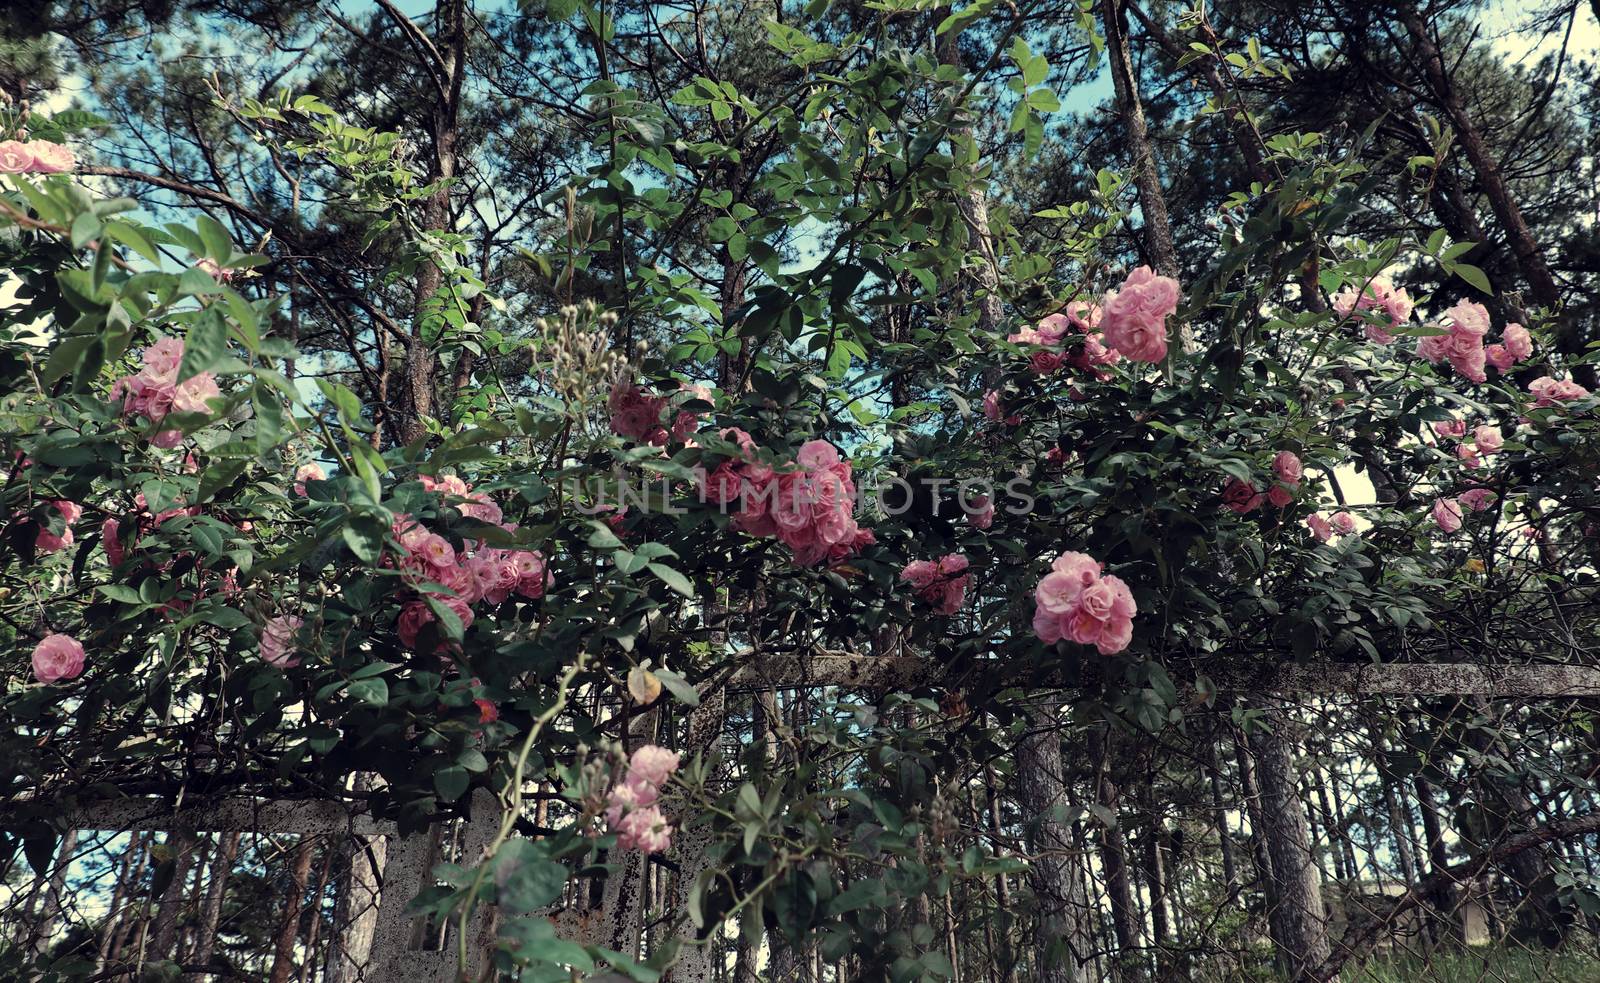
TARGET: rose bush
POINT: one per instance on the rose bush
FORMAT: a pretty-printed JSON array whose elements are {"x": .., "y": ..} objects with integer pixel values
[{"x": 231, "y": 571}]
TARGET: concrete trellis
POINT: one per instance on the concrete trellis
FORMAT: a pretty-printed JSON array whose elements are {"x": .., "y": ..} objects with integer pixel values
[{"x": 393, "y": 948}]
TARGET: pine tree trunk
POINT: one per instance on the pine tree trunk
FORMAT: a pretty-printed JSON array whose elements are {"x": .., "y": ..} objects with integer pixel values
[
  {"x": 128, "y": 874},
  {"x": 1490, "y": 178},
  {"x": 43, "y": 925},
  {"x": 1295, "y": 892},
  {"x": 1130, "y": 114},
  {"x": 1125, "y": 919},
  {"x": 421, "y": 359},
  {"x": 1219, "y": 810},
  {"x": 690, "y": 844},
  {"x": 164, "y": 930},
  {"x": 1441, "y": 899},
  {"x": 315, "y": 911},
  {"x": 1002, "y": 888},
  {"x": 289, "y": 927},
  {"x": 1041, "y": 792},
  {"x": 211, "y": 909},
  {"x": 356, "y": 914}
]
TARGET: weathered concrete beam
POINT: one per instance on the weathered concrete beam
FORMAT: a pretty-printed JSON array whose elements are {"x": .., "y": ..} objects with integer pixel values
[
  {"x": 233, "y": 814},
  {"x": 1316, "y": 678},
  {"x": 1443, "y": 679}
]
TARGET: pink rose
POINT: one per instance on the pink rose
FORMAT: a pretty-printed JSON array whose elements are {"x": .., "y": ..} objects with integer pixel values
[
  {"x": 1075, "y": 601},
  {"x": 920, "y": 574},
  {"x": 1083, "y": 316},
  {"x": 980, "y": 512},
  {"x": 1280, "y": 495},
  {"x": 193, "y": 395},
  {"x": 47, "y": 541},
  {"x": 1488, "y": 439},
  {"x": 1320, "y": 528},
  {"x": 1134, "y": 319},
  {"x": 1394, "y": 307},
  {"x": 437, "y": 551},
  {"x": 1518, "y": 341},
  {"x": 1045, "y": 363},
  {"x": 413, "y": 618},
  {"x": 1468, "y": 317},
  {"x": 1450, "y": 428},
  {"x": 1447, "y": 514},
  {"x": 1343, "y": 523},
  {"x": 109, "y": 531},
  {"x": 1548, "y": 391},
  {"x": 645, "y": 830},
  {"x": 161, "y": 360},
  {"x": 50, "y": 157},
  {"x": 15, "y": 157},
  {"x": 1286, "y": 465},
  {"x": 1478, "y": 499},
  {"x": 1052, "y": 328},
  {"x": 636, "y": 414},
  {"x": 815, "y": 455},
  {"x": 1499, "y": 357},
  {"x": 628, "y": 796},
  {"x": 57, "y": 657},
  {"x": 1242, "y": 497},
  {"x": 305, "y": 473},
  {"x": 942, "y": 585},
  {"x": 652, "y": 764},
  {"x": 1469, "y": 456},
  {"x": 278, "y": 641}
]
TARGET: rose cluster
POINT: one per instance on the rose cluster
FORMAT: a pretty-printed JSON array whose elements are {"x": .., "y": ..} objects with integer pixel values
[
  {"x": 48, "y": 542},
  {"x": 1243, "y": 497},
  {"x": 1323, "y": 527},
  {"x": 1135, "y": 319},
  {"x": 1055, "y": 334},
  {"x": 476, "y": 572},
  {"x": 942, "y": 584},
  {"x": 631, "y": 805},
  {"x": 1380, "y": 295},
  {"x": 154, "y": 391},
  {"x": 637, "y": 415},
  {"x": 1078, "y": 602},
  {"x": 35, "y": 157},
  {"x": 1462, "y": 347},
  {"x": 1548, "y": 391},
  {"x": 810, "y": 509}
]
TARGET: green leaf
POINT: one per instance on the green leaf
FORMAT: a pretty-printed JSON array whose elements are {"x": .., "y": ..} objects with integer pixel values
[
  {"x": 206, "y": 345},
  {"x": 673, "y": 579},
  {"x": 448, "y": 619},
  {"x": 364, "y": 535},
  {"x": 219, "y": 245},
  {"x": 451, "y": 782},
  {"x": 525, "y": 877},
  {"x": 84, "y": 228},
  {"x": 1472, "y": 275},
  {"x": 679, "y": 687},
  {"x": 373, "y": 690}
]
